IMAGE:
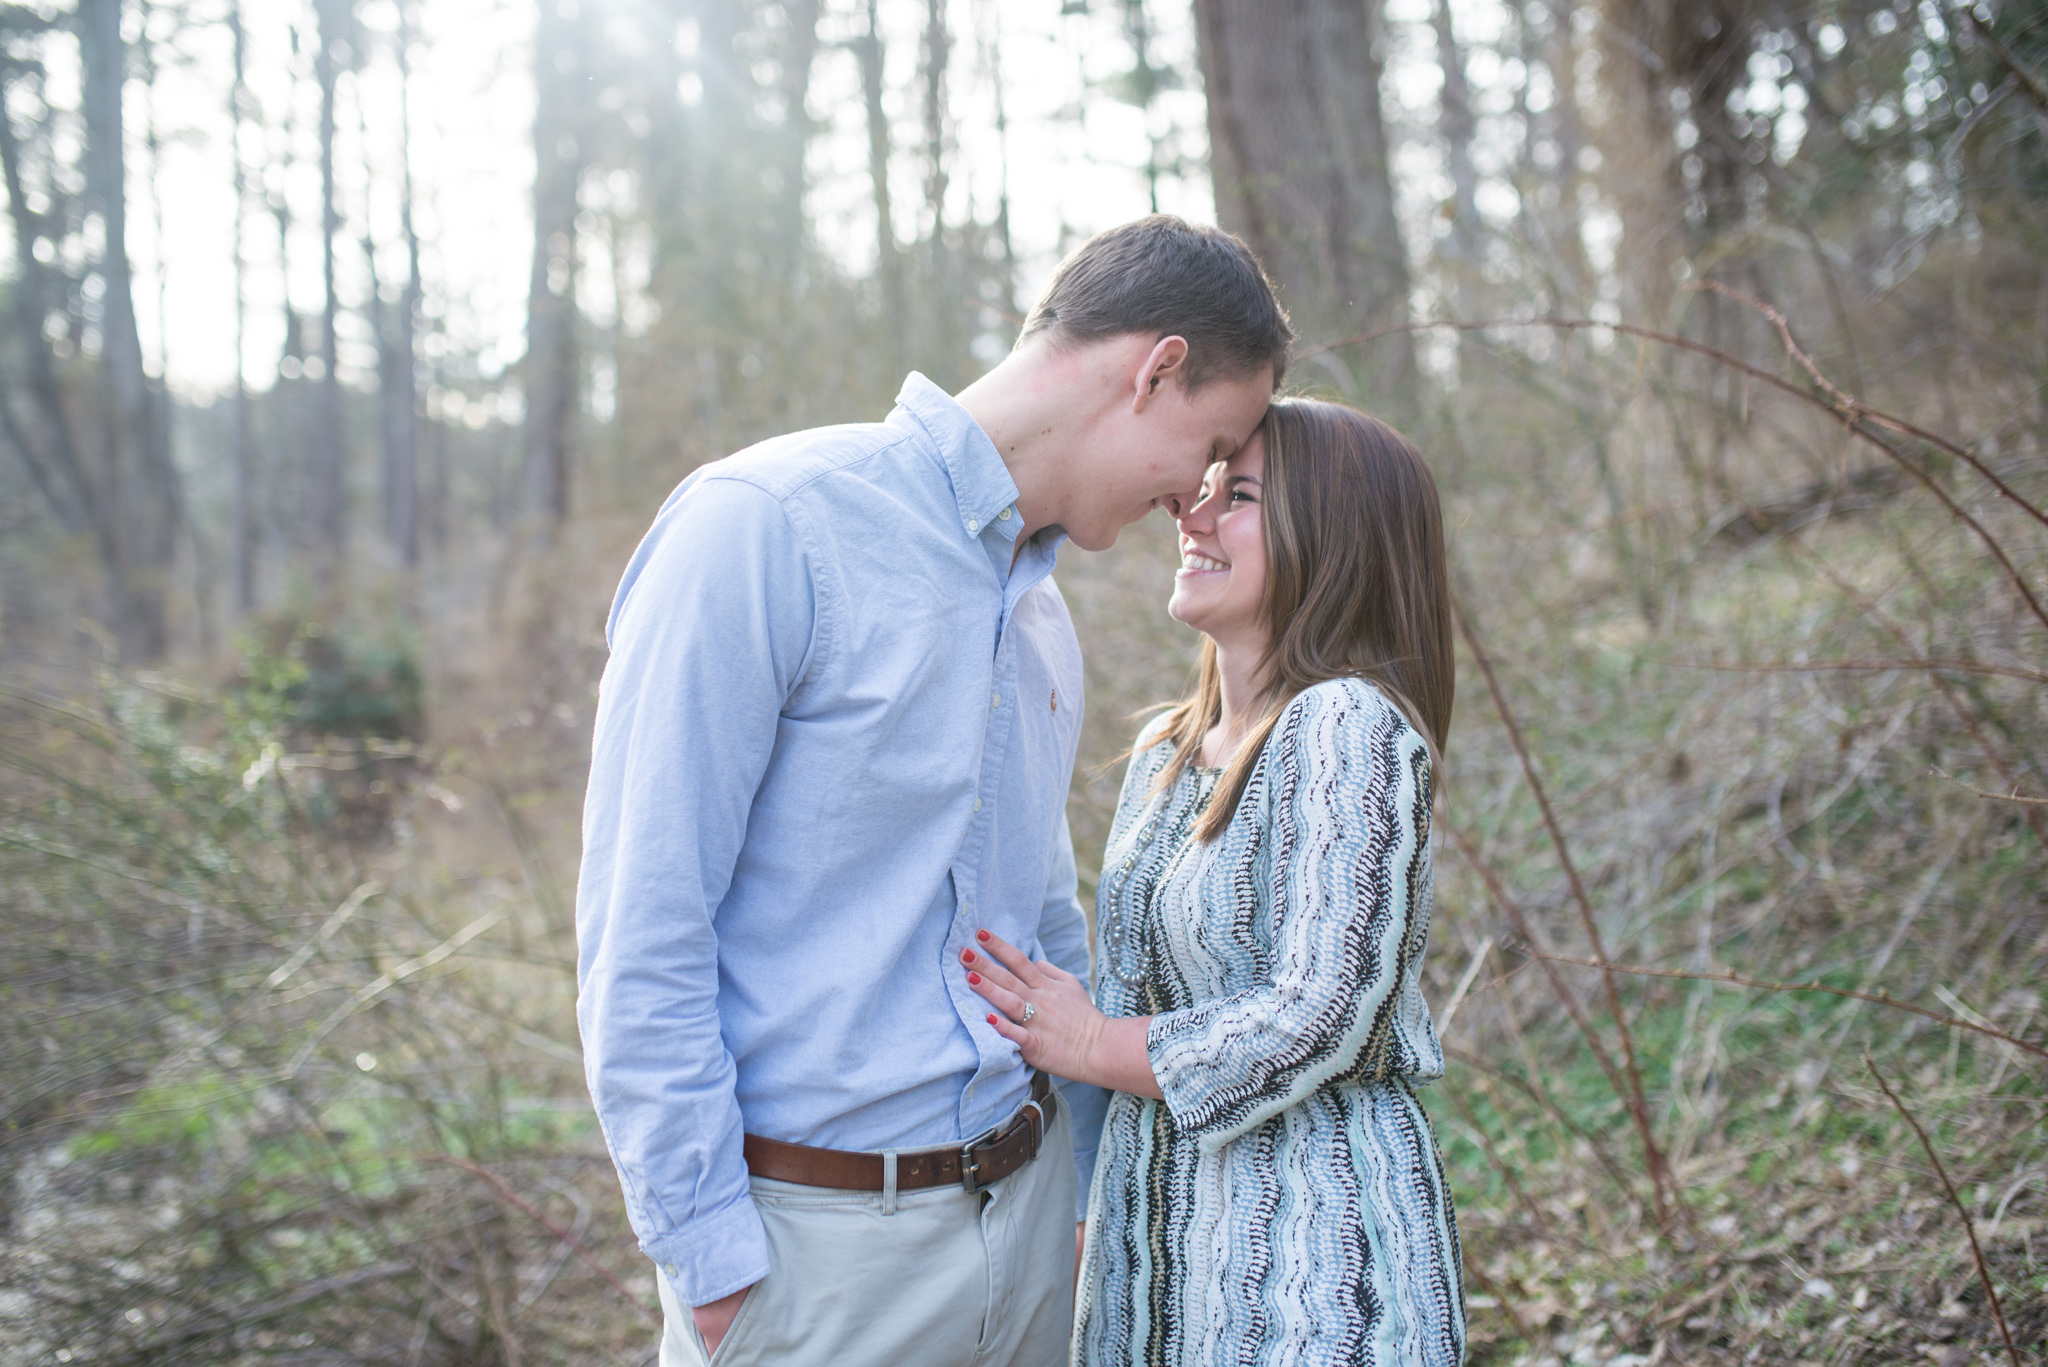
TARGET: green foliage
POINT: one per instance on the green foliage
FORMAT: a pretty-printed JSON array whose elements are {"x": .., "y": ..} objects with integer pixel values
[{"x": 315, "y": 681}]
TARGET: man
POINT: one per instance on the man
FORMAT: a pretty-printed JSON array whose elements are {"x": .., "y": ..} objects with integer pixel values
[{"x": 834, "y": 740}]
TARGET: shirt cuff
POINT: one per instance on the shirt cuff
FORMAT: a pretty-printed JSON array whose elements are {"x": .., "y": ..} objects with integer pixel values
[{"x": 712, "y": 1257}]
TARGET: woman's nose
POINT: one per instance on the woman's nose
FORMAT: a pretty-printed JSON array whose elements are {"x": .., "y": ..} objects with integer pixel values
[{"x": 1192, "y": 512}]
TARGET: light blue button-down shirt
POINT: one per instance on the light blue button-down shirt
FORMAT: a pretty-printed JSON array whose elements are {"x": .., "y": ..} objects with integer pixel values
[{"x": 833, "y": 740}]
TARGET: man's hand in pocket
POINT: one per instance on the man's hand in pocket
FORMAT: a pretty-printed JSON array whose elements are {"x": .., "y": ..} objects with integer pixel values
[{"x": 714, "y": 1319}]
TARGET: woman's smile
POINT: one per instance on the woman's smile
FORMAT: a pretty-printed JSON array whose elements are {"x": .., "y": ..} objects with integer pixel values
[{"x": 1219, "y": 588}]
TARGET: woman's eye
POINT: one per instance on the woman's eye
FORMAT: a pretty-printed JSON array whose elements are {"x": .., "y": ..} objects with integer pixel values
[{"x": 1236, "y": 494}]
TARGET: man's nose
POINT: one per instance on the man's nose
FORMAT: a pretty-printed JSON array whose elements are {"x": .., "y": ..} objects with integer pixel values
[{"x": 1180, "y": 503}]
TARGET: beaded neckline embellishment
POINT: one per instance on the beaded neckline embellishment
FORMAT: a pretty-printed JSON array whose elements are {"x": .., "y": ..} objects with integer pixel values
[{"x": 1115, "y": 904}]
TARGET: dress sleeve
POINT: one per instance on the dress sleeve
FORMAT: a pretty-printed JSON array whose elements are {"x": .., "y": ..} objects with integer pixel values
[{"x": 1348, "y": 787}]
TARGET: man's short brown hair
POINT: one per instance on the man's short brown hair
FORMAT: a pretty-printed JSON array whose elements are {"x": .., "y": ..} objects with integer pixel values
[{"x": 1163, "y": 276}]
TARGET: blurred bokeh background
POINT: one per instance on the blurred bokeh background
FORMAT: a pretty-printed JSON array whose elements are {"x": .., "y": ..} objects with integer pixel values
[{"x": 347, "y": 346}]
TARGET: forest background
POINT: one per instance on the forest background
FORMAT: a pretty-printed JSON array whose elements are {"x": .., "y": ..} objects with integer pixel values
[{"x": 346, "y": 347}]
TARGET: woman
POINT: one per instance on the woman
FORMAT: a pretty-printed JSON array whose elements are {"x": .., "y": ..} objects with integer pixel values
[{"x": 1268, "y": 1190}]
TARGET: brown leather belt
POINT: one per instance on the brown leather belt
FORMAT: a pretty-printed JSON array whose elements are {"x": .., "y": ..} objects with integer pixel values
[{"x": 976, "y": 1165}]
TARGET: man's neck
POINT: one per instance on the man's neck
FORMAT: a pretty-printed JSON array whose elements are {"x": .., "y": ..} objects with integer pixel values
[{"x": 1034, "y": 406}]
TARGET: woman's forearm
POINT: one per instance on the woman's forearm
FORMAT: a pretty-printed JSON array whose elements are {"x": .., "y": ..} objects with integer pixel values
[{"x": 1119, "y": 1059}]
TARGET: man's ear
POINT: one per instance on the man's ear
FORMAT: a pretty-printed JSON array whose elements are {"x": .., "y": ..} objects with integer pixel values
[{"x": 1163, "y": 365}]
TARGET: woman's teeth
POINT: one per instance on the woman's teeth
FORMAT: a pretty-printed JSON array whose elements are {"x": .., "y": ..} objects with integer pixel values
[{"x": 1193, "y": 560}]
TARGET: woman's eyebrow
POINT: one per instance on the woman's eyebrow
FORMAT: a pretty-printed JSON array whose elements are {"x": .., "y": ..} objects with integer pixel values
[{"x": 1245, "y": 479}]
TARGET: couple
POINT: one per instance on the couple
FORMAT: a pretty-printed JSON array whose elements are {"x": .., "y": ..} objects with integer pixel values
[{"x": 834, "y": 975}]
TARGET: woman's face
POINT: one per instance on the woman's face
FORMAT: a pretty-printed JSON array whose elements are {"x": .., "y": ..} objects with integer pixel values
[{"x": 1220, "y": 589}]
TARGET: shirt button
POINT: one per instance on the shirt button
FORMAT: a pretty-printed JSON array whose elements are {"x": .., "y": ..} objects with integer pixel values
[
  {"x": 669, "y": 1268},
  {"x": 995, "y": 700},
  {"x": 1005, "y": 514},
  {"x": 972, "y": 525},
  {"x": 977, "y": 804}
]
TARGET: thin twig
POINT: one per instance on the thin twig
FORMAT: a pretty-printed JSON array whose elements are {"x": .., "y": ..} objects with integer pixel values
[
  {"x": 2013, "y": 796},
  {"x": 218, "y": 1325},
  {"x": 1493, "y": 1160},
  {"x": 1661, "y": 1184},
  {"x": 1861, "y": 421},
  {"x": 1566, "y": 1126},
  {"x": 1866, "y": 667},
  {"x": 1880, "y": 997},
  {"x": 1969, "y": 1225},
  {"x": 1851, "y": 408},
  {"x": 2029, "y": 82},
  {"x": 1507, "y": 1302},
  {"x": 1520, "y": 920},
  {"x": 514, "y": 1198},
  {"x": 2037, "y": 821}
]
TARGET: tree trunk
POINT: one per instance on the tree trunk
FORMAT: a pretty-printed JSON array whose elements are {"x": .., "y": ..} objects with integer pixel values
[
  {"x": 1706, "y": 48},
  {"x": 1144, "y": 89},
  {"x": 1455, "y": 124},
  {"x": 943, "y": 348},
  {"x": 938, "y": 51},
  {"x": 1563, "y": 227},
  {"x": 244, "y": 534},
  {"x": 802, "y": 16},
  {"x": 44, "y": 440},
  {"x": 989, "y": 34},
  {"x": 138, "y": 484},
  {"x": 550, "y": 365},
  {"x": 1299, "y": 156},
  {"x": 399, "y": 386},
  {"x": 888, "y": 261},
  {"x": 329, "y": 511},
  {"x": 1461, "y": 250},
  {"x": 1649, "y": 48}
]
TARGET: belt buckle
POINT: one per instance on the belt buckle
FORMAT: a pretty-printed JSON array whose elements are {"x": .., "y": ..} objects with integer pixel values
[{"x": 968, "y": 1167}]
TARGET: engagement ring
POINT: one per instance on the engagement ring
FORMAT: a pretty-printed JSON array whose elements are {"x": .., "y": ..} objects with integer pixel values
[{"x": 1029, "y": 1012}]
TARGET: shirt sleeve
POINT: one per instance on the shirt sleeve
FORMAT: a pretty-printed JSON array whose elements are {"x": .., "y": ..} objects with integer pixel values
[
  {"x": 711, "y": 631},
  {"x": 1348, "y": 806},
  {"x": 1063, "y": 939}
]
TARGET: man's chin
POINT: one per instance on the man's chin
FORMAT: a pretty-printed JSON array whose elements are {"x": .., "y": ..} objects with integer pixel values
[{"x": 1094, "y": 538}]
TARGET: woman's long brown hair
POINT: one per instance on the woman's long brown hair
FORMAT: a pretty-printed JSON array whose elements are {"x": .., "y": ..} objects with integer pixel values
[{"x": 1356, "y": 587}]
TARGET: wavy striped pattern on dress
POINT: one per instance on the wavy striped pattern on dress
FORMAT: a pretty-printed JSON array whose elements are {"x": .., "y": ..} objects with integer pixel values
[{"x": 1285, "y": 1204}]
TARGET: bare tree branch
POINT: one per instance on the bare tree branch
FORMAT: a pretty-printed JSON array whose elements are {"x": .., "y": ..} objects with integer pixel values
[
  {"x": 1969, "y": 1225},
  {"x": 1861, "y": 421},
  {"x": 1882, "y": 998},
  {"x": 1639, "y": 1108}
]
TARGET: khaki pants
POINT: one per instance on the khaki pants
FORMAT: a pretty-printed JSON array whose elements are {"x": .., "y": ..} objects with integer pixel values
[{"x": 946, "y": 1280}]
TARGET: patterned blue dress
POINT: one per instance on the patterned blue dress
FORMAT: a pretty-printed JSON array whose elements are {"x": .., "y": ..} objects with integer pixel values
[{"x": 1285, "y": 1204}]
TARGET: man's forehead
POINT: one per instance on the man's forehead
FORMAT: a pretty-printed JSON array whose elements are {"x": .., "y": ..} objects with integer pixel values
[{"x": 1247, "y": 404}]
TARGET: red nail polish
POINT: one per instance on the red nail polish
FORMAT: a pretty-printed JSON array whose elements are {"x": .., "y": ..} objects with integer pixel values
[
  {"x": 991, "y": 1018},
  {"x": 966, "y": 956},
  {"x": 981, "y": 935},
  {"x": 974, "y": 980}
]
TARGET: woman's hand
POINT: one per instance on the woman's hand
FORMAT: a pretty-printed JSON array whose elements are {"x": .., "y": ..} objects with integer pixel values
[
  {"x": 1064, "y": 1024},
  {"x": 1066, "y": 1036}
]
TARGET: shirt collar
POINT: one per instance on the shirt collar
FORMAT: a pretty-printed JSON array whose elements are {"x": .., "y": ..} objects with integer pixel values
[{"x": 982, "y": 486}]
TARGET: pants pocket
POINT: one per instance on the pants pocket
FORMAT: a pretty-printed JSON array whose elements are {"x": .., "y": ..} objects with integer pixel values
[{"x": 733, "y": 1348}]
